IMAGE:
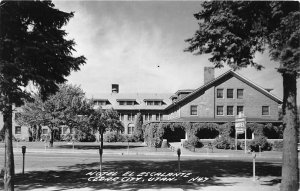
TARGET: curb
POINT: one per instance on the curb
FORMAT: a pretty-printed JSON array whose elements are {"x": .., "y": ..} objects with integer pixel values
[{"x": 199, "y": 155}]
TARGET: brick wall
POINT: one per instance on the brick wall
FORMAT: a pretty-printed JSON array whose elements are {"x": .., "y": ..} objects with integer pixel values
[
  {"x": 252, "y": 100},
  {"x": 207, "y": 101}
]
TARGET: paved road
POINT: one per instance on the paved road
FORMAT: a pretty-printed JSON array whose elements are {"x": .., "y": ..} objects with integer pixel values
[
  {"x": 54, "y": 161},
  {"x": 63, "y": 171}
]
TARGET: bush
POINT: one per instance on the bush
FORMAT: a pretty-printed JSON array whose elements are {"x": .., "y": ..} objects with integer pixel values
[
  {"x": 67, "y": 137},
  {"x": 192, "y": 142},
  {"x": 45, "y": 138},
  {"x": 224, "y": 143},
  {"x": 128, "y": 138},
  {"x": 84, "y": 136},
  {"x": 278, "y": 145},
  {"x": 116, "y": 137},
  {"x": 260, "y": 141},
  {"x": 110, "y": 137}
]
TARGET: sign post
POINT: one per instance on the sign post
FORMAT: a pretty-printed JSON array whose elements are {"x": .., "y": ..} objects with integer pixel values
[
  {"x": 240, "y": 128},
  {"x": 178, "y": 153},
  {"x": 23, "y": 152},
  {"x": 254, "y": 156},
  {"x": 100, "y": 153}
]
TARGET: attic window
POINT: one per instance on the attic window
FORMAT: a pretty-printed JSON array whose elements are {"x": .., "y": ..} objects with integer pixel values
[
  {"x": 126, "y": 102},
  {"x": 101, "y": 102},
  {"x": 153, "y": 102}
]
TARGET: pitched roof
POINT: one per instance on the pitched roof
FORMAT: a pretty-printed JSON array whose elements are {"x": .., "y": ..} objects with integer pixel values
[
  {"x": 139, "y": 98},
  {"x": 235, "y": 74}
]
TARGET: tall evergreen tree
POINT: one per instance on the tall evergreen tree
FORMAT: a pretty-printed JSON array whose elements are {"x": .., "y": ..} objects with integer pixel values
[
  {"x": 138, "y": 127},
  {"x": 33, "y": 49},
  {"x": 233, "y": 31}
]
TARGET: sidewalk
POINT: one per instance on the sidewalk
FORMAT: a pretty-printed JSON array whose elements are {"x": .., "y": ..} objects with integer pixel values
[{"x": 184, "y": 153}]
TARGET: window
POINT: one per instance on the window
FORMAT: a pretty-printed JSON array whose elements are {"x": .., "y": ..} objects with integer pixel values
[
  {"x": 17, "y": 129},
  {"x": 45, "y": 131},
  {"x": 64, "y": 130},
  {"x": 130, "y": 117},
  {"x": 71, "y": 130},
  {"x": 239, "y": 109},
  {"x": 193, "y": 110},
  {"x": 121, "y": 117},
  {"x": 219, "y": 93},
  {"x": 229, "y": 110},
  {"x": 100, "y": 102},
  {"x": 157, "y": 103},
  {"x": 229, "y": 93},
  {"x": 17, "y": 116},
  {"x": 130, "y": 128},
  {"x": 122, "y": 103},
  {"x": 240, "y": 93},
  {"x": 149, "y": 102},
  {"x": 130, "y": 103},
  {"x": 158, "y": 117},
  {"x": 148, "y": 117},
  {"x": 219, "y": 110},
  {"x": 265, "y": 110}
]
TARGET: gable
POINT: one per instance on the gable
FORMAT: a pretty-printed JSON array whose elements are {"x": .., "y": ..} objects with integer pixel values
[{"x": 219, "y": 81}]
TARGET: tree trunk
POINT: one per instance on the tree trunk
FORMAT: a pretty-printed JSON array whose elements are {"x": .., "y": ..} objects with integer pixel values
[
  {"x": 290, "y": 169},
  {"x": 51, "y": 137},
  {"x": 101, "y": 150},
  {"x": 38, "y": 133},
  {"x": 9, "y": 166}
]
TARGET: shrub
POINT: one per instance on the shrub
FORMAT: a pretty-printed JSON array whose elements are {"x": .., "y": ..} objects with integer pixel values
[
  {"x": 117, "y": 137},
  {"x": 260, "y": 141},
  {"x": 192, "y": 142},
  {"x": 45, "y": 138},
  {"x": 128, "y": 138},
  {"x": 277, "y": 145},
  {"x": 224, "y": 142},
  {"x": 85, "y": 136},
  {"x": 110, "y": 137},
  {"x": 241, "y": 144},
  {"x": 67, "y": 137}
]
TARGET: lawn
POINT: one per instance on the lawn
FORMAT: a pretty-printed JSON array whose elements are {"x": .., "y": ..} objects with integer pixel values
[{"x": 108, "y": 146}]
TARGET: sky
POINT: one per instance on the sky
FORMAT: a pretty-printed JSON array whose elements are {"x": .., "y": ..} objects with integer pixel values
[{"x": 140, "y": 46}]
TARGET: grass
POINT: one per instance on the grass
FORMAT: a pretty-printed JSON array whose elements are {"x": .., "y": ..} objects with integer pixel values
[{"x": 110, "y": 146}]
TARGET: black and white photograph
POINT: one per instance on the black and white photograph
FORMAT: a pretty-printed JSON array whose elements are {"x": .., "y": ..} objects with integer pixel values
[{"x": 149, "y": 95}]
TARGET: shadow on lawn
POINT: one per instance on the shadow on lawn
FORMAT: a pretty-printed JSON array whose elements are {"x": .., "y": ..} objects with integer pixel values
[
  {"x": 95, "y": 147},
  {"x": 74, "y": 177}
]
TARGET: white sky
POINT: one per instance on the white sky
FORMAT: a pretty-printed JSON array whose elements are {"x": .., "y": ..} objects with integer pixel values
[{"x": 125, "y": 42}]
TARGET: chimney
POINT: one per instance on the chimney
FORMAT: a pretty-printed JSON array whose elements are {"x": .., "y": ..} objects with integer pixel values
[
  {"x": 115, "y": 88},
  {"x": 209, "y": 74}
]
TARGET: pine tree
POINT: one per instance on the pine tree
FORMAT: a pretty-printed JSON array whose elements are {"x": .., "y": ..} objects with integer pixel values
[
  {"x": 33, "y": 50},
  {"x": 138, "y": 127},
  {"x": 233, "y": 31}
]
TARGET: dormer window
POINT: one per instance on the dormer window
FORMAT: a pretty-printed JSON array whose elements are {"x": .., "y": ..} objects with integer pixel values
[
  {"x": 127, "y": 102},
  {"x": 101, "y": 102},
  {"x": 153, "y": 102}
]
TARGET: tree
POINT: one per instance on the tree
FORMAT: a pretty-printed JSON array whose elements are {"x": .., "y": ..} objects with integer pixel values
[
  {"x": 104, "y": 120},
  {"x": 232, "y": 32},
  {"x": 33, "y": 50},
  {"x": 138, "y": 127},
  {"x": 67, "y": 107}
]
